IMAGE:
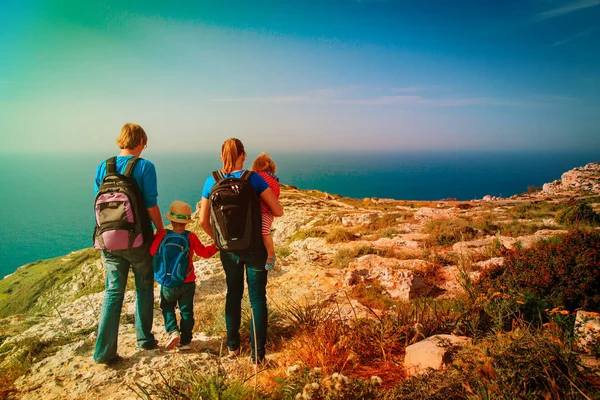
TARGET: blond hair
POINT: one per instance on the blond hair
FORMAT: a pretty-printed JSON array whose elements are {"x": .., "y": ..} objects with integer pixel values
[
  {"x": 264, "y": 163},
  {"x": 231, "y": 150},
  {"x": 131, "y": 136}
]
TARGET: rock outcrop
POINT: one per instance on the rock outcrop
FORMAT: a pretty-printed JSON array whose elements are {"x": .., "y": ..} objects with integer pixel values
[{"x": 582, "y": 179}]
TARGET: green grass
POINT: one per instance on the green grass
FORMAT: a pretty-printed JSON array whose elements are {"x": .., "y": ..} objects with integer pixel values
[
  {"x": 537, "y": 210},
  {"x": 339, "y": 235},
  {"x": 19, "y": 292},
  {"x": 282, "y": 251},
  {"x": 518, "y": 228},
  {"x": 447, "y": 231},
  {"x": 307, "y": 233}
]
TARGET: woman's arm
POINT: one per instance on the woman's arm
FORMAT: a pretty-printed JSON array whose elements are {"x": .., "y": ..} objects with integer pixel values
[
  {"x": 270, "y": 200},
  {"x": 205, "y": 217}
]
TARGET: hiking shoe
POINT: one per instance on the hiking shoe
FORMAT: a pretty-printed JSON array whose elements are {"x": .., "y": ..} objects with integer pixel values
[
  {"x": 117, "y": 359},
  {"x": 270, "y": 263},
  {"x": 234, "y": 353},
  {"x": 173, "y": 340},
  {"x": 260, "y": 361},
  {"x": 184, "y": 345},
  {"x": 150, "y": 346},
  {"x": 113, "y": 361}
]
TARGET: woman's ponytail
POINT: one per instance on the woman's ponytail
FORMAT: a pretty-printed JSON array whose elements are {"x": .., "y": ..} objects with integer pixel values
[{"x": 231, "y": 150}]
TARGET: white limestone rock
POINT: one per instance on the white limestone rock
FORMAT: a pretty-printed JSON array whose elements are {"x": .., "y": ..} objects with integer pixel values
[{"x": 431, "y": 353}]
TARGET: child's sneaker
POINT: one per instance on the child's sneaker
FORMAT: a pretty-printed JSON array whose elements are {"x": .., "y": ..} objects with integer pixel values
[
  {"x": 270, "y": 263},
  {"x": 173, "y": 339}
]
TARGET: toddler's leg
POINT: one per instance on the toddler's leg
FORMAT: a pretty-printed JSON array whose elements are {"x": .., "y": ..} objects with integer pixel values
[
  {"x": 267, "y": 220},
  {"x": 268, "y": 241}
]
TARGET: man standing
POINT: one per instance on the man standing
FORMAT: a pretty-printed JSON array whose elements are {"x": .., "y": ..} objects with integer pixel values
[{"x": 132, "y": 141}]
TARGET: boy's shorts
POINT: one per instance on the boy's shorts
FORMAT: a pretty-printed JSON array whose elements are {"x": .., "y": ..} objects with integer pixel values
[{"x": 267, "y": 221}]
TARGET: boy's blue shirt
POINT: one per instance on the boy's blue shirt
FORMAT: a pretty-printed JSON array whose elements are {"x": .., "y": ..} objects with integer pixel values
[
  {"x": 144, "y": 174},
  {"x": 257, "y": 182}
]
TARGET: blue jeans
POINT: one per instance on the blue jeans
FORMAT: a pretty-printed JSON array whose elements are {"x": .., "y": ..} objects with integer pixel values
[
  {"x": 117, "y": 265},
  {"x": 169, "y": 298},
  {"x": 256, "y": 277}
]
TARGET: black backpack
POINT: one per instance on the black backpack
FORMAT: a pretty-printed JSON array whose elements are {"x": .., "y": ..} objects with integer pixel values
[
  {"x": 235, "y": 213},
  {"x": 122, "y": 220}
]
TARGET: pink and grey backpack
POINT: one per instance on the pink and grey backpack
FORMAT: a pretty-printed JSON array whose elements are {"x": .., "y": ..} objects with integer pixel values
[{"x": 122, "y": 220}]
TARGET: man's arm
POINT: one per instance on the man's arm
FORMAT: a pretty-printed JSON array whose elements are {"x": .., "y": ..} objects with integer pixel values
[
  {"x": 156, "y": 217},
  {"x": 205, "y": 217}
]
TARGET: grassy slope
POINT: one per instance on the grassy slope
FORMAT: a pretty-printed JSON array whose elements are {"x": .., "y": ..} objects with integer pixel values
[{"x": 19, "y": 291}]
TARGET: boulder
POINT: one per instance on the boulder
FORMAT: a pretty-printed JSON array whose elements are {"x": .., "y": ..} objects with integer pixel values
[
  {"x": 587, "y": 329},
  {"x": 398, "y": 283},
  {"x": 433, "y": 352}
]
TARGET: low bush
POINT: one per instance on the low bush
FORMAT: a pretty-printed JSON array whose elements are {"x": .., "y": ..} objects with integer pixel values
[
  {"x": 345, "y": 255},
  {"x": 190, "y": 381},
  {"x": 564, "y": 270},
  {"x": 447, "y": 231},
  {"x": 372, "y": 295},
  {"x": 282, "y": 251},
  {"x": 580, "y": 214},
  {"x": 533, "y": 210},
  {"x": 517, "y": 228},
  {"x": 339, "y": 235},
  {"x": 303, "y": 234},
  {"x": 386, "y": 221},
  {"x": 520, "y": 364},
  {"x": 302, "y": 382}
]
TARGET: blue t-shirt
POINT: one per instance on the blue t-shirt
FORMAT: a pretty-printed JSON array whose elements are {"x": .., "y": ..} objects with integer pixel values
[
  {"x": 257, "y": 182},
  {"x": 144, "y": 174}
]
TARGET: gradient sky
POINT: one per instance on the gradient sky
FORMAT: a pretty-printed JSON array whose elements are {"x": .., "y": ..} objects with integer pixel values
[{"x": 303, "y": 74}]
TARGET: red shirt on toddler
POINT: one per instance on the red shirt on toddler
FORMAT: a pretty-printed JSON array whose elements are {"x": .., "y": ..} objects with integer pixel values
[
  {"x": 196, "y": 247},
  {"x": 273, "y": 183}
]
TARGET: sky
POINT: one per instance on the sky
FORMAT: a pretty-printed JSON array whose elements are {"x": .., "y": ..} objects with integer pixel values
[{"x": 341, "y": 75}]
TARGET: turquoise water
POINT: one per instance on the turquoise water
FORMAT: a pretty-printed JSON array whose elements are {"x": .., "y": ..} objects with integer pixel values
[{"x": 47, "y": 200}]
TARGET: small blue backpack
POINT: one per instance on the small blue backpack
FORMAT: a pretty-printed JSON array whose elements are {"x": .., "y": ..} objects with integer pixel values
[{"x": 171, "y": 261}]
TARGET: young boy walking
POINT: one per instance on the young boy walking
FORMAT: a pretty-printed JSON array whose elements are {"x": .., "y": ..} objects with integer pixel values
[{"x": 174, "y": 270}]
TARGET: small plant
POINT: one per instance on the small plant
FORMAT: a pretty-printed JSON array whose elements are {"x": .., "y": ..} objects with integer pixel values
[
  {"x": 518, "y": 228},
  {"x": 191, "y": 381},
  {"x": 339, "y": 235},
  {"x": 372, "y": 295},
  {"x": 387, "y": 221},
  {"x": 345, "y": 255},
  {"x": 282, "y": 251},
  {"x": 308, "y": 233},
  {"x": 305, "y": 383},
  {"x": 531, "y": 189},
  {"x": 580, "y": 214},
  {"x": 447, "y": 231}
]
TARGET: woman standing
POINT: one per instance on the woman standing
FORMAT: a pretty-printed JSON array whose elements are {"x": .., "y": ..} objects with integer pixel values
[{"x": 234, "y": 264}]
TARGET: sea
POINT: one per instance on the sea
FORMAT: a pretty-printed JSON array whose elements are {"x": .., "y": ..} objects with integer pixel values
[{"x": 46, "y": 200}]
